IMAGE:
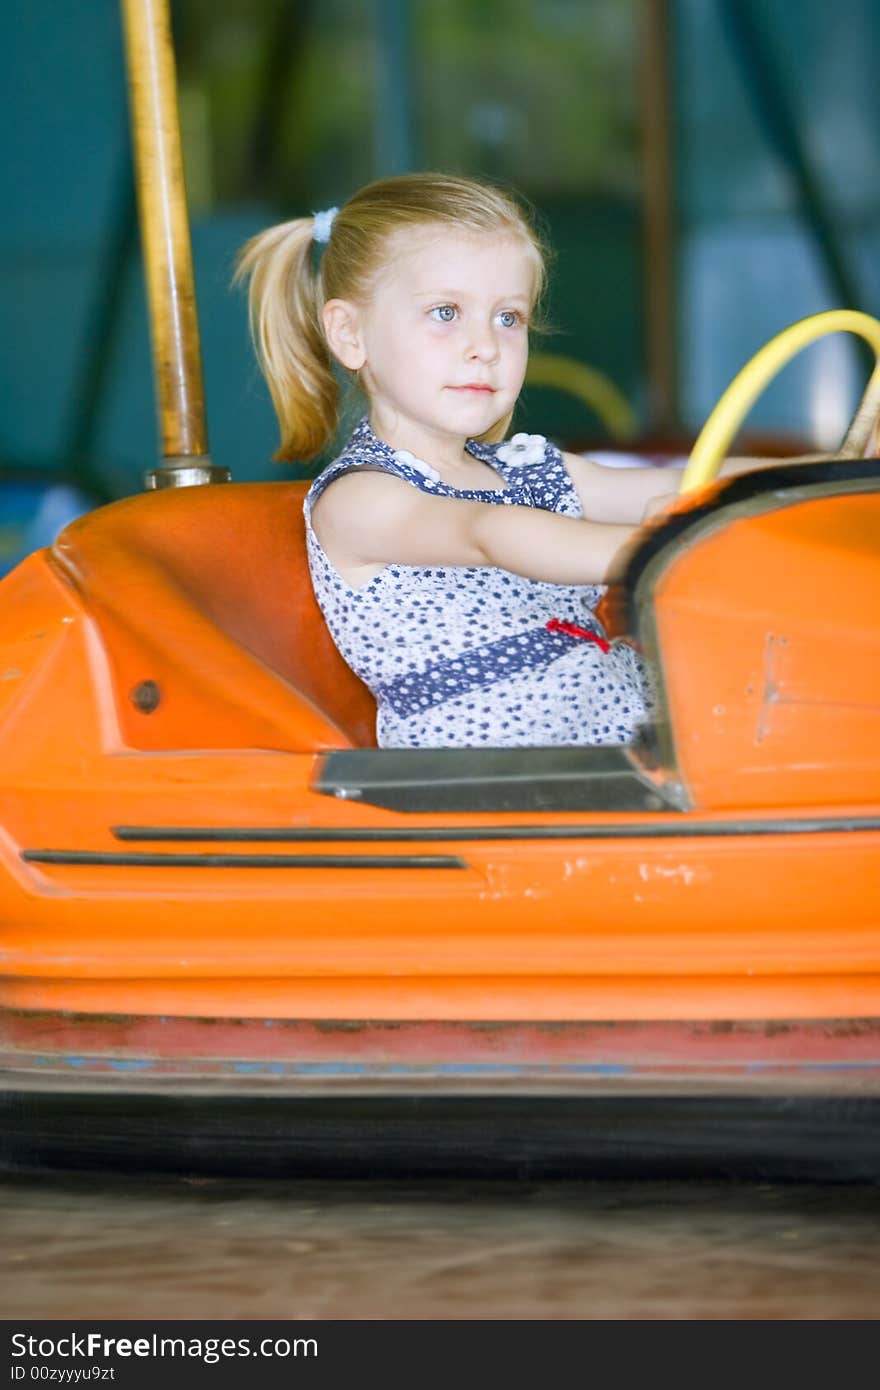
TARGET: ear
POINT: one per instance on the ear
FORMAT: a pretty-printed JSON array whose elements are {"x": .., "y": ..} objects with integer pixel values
[{"x": 343, "y": 329}]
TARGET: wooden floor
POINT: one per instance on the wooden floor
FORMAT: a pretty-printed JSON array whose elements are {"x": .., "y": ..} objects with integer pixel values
[{"x": 79, "y": 1247}]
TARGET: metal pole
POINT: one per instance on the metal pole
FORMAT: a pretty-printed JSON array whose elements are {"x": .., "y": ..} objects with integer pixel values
[
  {"x": 395, "y": 142},
  {"x": 661, "y": 335},
  {"x": 167, "y": 251}
]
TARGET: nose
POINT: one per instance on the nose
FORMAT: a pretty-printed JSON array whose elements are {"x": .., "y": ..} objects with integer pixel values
[{"x": 482, "y": 343}]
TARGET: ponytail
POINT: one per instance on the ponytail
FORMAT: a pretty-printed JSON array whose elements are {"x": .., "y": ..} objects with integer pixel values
[
  {"x": 287, "y": 294},
  {"x": 284, "y": 308}
]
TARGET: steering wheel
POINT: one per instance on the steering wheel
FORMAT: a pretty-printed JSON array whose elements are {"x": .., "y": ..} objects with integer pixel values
[{"x": 716, "y": 435}]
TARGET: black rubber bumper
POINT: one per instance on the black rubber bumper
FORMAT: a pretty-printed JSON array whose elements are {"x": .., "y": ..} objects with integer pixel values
[{"x": 834, "y": 1139}]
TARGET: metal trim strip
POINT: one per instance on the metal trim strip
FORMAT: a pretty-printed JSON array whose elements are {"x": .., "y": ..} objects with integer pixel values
[
  {"x": 659, "y": 829},
  {"x": 243, "y": 861}
]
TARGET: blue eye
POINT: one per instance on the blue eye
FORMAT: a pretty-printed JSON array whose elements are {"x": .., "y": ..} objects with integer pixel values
[
  {"x": 445, "y": 313},
  {"x": 508, "y": 318}
]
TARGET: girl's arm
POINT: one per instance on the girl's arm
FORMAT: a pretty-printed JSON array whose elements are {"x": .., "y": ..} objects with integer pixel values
[
  {"x": 368, "y": 520},
  {"x": 630, "y": 495}
]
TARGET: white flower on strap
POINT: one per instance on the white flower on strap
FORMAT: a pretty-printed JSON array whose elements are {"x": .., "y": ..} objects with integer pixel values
[
  {"x": 523, "y": 450},
  {"x": 410, "y": 461}
]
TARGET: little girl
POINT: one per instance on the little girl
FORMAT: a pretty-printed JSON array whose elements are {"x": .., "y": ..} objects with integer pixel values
[{"x": 458, "y": 574}]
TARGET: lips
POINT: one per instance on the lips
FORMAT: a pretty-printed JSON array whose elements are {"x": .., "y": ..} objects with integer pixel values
[{"x": 477, "y": 387}]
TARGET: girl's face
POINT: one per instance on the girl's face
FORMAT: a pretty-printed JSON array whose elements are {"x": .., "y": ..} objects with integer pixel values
[{"x": 444, "y": 338}]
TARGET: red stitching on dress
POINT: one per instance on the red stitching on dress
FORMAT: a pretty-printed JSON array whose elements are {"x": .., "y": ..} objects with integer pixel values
[{"x": 572, "y": 630}]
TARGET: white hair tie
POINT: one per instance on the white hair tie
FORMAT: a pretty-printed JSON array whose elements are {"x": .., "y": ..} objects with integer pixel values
[{"x": 323, "y": 223}]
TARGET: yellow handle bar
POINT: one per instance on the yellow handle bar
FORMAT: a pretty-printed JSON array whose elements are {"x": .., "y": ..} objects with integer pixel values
[
  {"x": 590, "y": 386},
  {"x": 718, "y": 432}
]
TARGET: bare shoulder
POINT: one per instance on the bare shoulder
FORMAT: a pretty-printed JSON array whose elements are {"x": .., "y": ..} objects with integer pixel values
[
  {"x": 359, "y": 493},
  {"x": 373, "y": 518},
  {"x": 355, "y": 509},
  {"x": 581, "y": 467},
  {"x": 589, "y": 480},
  {"x": 619, "y": 495}
]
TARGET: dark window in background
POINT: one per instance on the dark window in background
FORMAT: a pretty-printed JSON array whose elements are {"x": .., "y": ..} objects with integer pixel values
[
  {"x": 280, "y": 97},
  {"x": 538, "y": 93}
]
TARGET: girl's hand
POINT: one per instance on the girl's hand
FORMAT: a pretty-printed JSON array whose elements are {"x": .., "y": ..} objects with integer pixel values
[
  {"x": 631, "y": 495},
  {"x": 656, "y": 506}
]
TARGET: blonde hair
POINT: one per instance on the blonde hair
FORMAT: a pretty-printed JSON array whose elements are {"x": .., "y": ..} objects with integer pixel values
[{"x": 287, "y": 291}]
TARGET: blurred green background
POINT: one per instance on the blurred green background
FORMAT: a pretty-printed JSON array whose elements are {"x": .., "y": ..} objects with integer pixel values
[{"x": 706, "y": 171}]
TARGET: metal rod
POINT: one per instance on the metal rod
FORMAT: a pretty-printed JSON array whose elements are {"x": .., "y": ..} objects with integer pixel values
[
  {"x": 262, "y": 170},
  {"x": 862, "y": 436},
  {"x": 395, "y": 138},
  {"x": 661, "y": 336},
  {"x": 166, "y": 246}
]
